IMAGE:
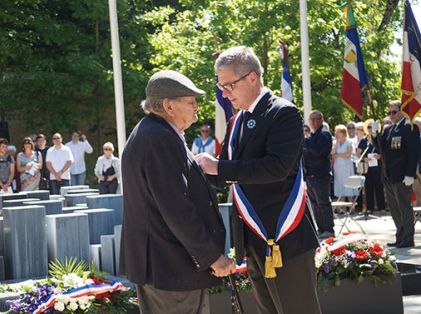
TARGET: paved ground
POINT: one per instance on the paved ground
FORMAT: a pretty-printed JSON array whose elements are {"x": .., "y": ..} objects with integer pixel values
[{"x": 383, "y": 230}]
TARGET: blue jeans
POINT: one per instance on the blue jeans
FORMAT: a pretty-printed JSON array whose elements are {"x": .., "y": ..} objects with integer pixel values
[
  {"x": 78, "y": 179},
  {"x": 56, "y": 185}
]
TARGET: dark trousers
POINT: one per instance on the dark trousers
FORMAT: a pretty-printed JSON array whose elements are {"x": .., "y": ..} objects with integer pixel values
[
  {"x": 106, "y": 187},
  {"x": 156, "y": 301},
  {"x": 374, "y": 189},
  {"x": 318, "y": 189},
  {"x": 399, "y": 200},
  {"x": 293, "y": 291},
  {"x": 56, "y": 185}
]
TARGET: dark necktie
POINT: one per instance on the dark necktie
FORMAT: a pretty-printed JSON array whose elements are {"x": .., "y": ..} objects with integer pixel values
[{"x": 244, "y": 128}]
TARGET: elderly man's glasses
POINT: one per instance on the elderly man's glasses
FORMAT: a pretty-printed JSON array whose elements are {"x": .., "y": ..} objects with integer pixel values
[
  {"x": 230, "y": 86},
  {"x": 107, "y": 148},
  {"x": 392, "y": 112}
]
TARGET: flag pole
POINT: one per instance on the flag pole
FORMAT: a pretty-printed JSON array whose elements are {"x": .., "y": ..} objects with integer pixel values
[
  {"x": 305, "y": 60},
  {"x": 118, "y": 84}
]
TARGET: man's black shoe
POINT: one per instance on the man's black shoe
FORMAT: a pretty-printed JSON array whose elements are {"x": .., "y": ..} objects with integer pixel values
[
  {"x": 392, "y": 244},
  {"x": 405, "y": 245}
]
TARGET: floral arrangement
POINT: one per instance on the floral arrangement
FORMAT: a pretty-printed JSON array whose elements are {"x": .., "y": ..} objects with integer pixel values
[
  {"x": 73, "y": 287},
  {"x": 353, "y": 257}
]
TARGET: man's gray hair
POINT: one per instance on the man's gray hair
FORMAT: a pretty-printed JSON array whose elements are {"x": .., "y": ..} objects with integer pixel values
[
  {"x": 242, "y": 59},
  {"x": 153, "y": 105},
  {"x": 316, "y": 112},
  {"x": 396, "y": 103}
]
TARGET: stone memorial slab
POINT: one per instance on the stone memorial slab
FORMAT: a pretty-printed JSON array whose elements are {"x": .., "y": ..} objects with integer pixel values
[
  {"x": 73, "y": 199},
  {"x": 68, "y": 236},
  {"x": 52, "y": 207},
  {"x": 225, "y": 210},
  {"x": 117, "y": 245},
  {"x": 1, "y": 237},
  {"x": 82, "y": 191},
  {"x": 57, "y": 197},
  {"x": 25, "y": 242},
  {"x": 114, "y": 201},
  {"x": 42, "y": 195},
  {"x": 2, "y": 268},
  {"x": 18, "y": 202},
  {"x": 101, "y": 222},
  {"x": 65, "y": 189},
  {"x": 71, "y": 209},
  {"x": 14, "y": 196},
  {"x": 95, "y": 250},
  {"x": 107, "y": 254}
]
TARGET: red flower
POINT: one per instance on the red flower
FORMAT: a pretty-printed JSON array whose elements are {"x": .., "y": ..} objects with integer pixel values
[
  {"x": 376, "y": 249},
  {"x": 339, "y": 251},
  {"x": 329, "y": 240},
  {"x": 361, "y": 255}
]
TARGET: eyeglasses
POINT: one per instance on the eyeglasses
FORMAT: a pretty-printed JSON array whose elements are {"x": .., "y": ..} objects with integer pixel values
[
  {"x": 56, "y": 138},
  {"x": 27, "y": 142},
  {"x": 204, "y": 131},
  {"x": 369, "y": 127},
  {"x": 230, "y": 86},
  {"x": 392, "y": 112},
  {"x": 351, "y": 128},
  {"x": 107, "y": 149}
]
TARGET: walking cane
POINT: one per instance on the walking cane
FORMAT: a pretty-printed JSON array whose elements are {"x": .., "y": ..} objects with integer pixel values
[{"x": 237, "y": 307}]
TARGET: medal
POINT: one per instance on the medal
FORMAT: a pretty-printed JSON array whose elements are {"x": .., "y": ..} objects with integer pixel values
[{"x": 251, "y": 123}]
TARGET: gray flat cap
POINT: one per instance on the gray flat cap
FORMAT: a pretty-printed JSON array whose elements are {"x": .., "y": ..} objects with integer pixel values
[{"x": 168, "y": 83}]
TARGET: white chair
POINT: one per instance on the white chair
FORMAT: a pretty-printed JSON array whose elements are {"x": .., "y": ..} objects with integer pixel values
[{"x": 348, "y": 208}]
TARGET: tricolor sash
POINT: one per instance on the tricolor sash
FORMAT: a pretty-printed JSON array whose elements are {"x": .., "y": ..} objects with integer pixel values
[{"x": 289, "y": 218}]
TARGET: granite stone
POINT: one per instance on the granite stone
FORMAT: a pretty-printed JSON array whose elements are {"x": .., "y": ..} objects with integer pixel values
[
  {"x": 101, "y": 222},
  {"x": 114, "y": 201}
]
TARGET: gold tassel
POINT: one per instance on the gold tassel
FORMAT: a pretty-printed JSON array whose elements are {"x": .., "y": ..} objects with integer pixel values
[
  {"x": 276, "y": 256},
  {"x": 269, "y": 269}
]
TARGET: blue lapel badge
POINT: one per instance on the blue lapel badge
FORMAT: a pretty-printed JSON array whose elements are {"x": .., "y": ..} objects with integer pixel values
[{"x": 251, "y": 123}]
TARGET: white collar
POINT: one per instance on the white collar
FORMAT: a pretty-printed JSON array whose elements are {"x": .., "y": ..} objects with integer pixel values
[
  {"x": 397, "y": 123},
  {"x": 256, "y": 101}
]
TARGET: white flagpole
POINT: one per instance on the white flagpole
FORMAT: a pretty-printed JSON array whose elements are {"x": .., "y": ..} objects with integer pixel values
[
  {"x": 305, "y": 60},
  {"x": 118, "y": 84}
]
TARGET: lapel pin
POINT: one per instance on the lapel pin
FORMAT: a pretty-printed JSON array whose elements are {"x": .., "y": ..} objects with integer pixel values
[{"x": 251, "y": 123}]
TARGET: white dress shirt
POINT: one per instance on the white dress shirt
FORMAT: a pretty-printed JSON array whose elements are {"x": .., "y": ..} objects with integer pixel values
[{"x": 78, "y": 150}]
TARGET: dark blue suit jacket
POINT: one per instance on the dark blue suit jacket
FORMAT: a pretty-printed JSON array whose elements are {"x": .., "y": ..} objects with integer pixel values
[
  {"x": 172, "y": 229},
  {"x": 265, "y": 165}
]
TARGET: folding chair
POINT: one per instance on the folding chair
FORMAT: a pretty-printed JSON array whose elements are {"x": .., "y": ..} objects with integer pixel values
[{"x": 353, "y": 182}]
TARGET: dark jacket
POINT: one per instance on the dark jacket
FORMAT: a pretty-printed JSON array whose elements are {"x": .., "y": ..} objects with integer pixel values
[
  {"x": 316, "y": 153},
  {"x": 172, "y": 229},
  {"x": 400, "y": 151},
  {"x": 265, "y": 165}
]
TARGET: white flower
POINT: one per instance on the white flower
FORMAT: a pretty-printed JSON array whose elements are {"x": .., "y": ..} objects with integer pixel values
[
  {"x": 392, "y": 258},
  {"x": 57, "y": 290},
  {"x": 380, "y": 261},
  {"x": 73, "y": 281},
  {"x": 59, "y": 306},
  {"x": 72, "y": 306}
]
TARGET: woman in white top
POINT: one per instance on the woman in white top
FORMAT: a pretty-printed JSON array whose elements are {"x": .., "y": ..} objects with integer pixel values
[
  {"x": 343, "y": 166},
  {"x": 107, "y": 170}
]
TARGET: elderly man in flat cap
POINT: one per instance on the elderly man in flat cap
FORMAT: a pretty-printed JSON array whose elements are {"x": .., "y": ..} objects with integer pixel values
[{"x": 173, "y": 236}]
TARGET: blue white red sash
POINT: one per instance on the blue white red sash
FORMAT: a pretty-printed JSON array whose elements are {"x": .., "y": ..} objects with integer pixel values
[
  {"x": 87, "y": 290},
  {"x": 290, "y": 215}
]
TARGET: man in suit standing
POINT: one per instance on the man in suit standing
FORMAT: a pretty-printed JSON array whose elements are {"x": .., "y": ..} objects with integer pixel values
[
  {"x": 400, "y": 152},
  {"x": 173, "y": 235},
  {"x": 261, "y": 158}
]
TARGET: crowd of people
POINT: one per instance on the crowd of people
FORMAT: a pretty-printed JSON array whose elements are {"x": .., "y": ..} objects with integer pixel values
[
  {"x": 386, "y": 153},
  {"x": 37, "y": 166}
]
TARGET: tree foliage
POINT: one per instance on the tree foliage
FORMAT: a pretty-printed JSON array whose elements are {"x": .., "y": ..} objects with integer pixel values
[{"x": 56, "y": 67}]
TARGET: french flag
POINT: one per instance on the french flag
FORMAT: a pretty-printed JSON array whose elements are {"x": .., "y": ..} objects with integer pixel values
[
  {"x": 223, "y": 113},
  {"x": 286, "y": 83},
  {"x": 411, "y": 69}
]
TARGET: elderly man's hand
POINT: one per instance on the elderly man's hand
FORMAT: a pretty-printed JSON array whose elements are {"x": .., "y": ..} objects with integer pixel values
[
  {"x": 208, "y": 163},
  {"x": 223, "y": 266}
]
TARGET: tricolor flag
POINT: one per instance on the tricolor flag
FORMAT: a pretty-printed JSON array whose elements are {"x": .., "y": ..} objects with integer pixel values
[
  {"x": 286, "y": 83},
  {"x": 411, "y": 69},
  {"x": 223, "y": 112},
  {"x": 354, "y": 79}
]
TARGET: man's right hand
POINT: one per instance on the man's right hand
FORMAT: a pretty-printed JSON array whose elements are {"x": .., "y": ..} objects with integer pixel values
[{"x": 223, "y": 266}]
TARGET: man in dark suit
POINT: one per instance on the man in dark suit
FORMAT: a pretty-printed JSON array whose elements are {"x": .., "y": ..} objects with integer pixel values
[
  {"x": 261, "y": 158},
  {"x": 316, "y": 156},
  {"x": 173, "y": 235},
  {"x": 399, "y": 147}
]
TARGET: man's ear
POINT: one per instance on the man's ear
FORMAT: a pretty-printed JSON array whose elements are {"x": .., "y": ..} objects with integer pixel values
[{"x": 168, "y": 106}]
